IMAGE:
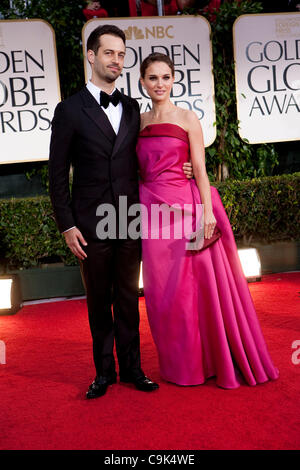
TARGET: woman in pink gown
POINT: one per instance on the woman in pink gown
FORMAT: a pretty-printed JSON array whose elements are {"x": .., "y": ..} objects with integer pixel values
[{"x": 200, "y": 310}]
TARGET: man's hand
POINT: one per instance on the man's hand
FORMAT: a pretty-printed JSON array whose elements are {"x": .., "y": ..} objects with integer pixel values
[
  {"x": 188, "y": 170},
  {"x": 73, "y": 239}
]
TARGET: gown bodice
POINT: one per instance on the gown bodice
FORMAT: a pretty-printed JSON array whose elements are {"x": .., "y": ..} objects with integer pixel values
[{"x": 162, "y": 150}]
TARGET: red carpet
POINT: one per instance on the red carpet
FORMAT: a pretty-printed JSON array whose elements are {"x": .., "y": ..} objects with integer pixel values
[{"x": 49, "y": 367}]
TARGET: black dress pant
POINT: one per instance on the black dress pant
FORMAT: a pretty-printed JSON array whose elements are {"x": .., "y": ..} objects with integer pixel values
[{"x": 110, "y": 275}]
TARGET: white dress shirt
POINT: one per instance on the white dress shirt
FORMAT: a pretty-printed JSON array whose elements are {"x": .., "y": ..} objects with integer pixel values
[{"x": 114, "y": 113}]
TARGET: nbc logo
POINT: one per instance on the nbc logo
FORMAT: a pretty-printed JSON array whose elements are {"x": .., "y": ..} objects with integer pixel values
[
  {"x": 287, "y": 25},
  {"x": 158, "y": 32},
  {"x": 133, "y": 32}
]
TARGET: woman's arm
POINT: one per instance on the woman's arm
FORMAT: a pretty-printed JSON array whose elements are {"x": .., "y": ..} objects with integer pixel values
[{"x": 197, "y": 151}]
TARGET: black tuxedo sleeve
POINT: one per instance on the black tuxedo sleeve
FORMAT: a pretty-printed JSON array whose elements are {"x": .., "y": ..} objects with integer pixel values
[
  {"x": 59, "y": 167},
  {"x": 137, "y": 107}
]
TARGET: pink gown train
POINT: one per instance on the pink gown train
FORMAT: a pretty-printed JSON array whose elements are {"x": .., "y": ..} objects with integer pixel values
[{"x": 199, "y": 307}]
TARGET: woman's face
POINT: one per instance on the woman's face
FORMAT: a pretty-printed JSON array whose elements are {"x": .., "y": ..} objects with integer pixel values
[{"x": 158, "y": 81}]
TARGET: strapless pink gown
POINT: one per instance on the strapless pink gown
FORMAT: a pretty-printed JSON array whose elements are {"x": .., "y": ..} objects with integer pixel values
[{"x": 200, "y": 310}]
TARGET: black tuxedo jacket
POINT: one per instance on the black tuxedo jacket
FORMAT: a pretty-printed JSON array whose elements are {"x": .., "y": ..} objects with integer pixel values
[{"x": 104, "y": 164}]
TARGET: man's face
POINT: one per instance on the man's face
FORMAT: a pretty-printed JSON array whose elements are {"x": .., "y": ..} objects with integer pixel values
[{"x": 107, "y": 64}]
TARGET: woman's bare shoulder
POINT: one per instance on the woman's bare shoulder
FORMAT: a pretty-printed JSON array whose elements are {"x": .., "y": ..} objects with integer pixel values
[
  {"x": 188, "y": 118},
  {"x": 191, "y": 116}
]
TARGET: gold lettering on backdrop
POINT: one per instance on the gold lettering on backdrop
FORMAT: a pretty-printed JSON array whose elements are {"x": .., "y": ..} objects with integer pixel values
[
  {"x": 167, "y": 31},
  {"x": 156, "y": 32},
  {"x": 287, "y": 27},
  {"x": 133, "y": 32}
]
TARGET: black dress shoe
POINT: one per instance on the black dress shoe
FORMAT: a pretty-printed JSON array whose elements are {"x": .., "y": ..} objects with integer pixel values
[
  {"x": 142, "y": 383},
  {"x": 99, "y": 386}
]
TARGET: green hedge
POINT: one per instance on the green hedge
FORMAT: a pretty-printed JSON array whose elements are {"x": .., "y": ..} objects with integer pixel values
[
  {"x": 29, "y": 235},
  {"x": 263, "y": 209},
  {"x": 260, "y": 210}
]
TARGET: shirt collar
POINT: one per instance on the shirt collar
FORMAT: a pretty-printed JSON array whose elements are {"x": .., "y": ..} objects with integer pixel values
[{"x": 95, "y": 90}]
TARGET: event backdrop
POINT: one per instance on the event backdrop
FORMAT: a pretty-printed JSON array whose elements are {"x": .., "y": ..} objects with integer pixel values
[
  {"x": 267, "y": 67},
  {"x": 267, "y": 61},
  {"x": 29, "y": 89},
  {"x": 187, "y": 41}
]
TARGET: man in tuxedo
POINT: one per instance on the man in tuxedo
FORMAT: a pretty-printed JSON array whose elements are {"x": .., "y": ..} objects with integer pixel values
[{"x": 96, "y": 131}]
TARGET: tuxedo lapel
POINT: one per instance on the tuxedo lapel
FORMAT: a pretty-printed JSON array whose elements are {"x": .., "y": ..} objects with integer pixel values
[
  {"x": 124, "y": 125},
  {"x": 94, "y": 111},
  {"x": 102, "y": 121}
]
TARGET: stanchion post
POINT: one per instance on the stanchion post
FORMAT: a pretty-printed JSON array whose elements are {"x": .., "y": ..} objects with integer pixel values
[{"x": 160, "y": 7}]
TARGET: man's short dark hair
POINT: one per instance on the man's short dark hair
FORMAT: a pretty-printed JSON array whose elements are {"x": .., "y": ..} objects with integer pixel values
[{"x": 93, "y": 41}]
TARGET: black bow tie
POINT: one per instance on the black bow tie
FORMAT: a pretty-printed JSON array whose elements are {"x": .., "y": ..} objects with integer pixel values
[{"x": 105, "y": 99}]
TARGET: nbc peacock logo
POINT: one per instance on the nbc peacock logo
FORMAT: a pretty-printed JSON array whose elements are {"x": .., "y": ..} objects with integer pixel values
[
  {"x": 133, "y": 33},
  {"x": 287, "y": 26}
]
